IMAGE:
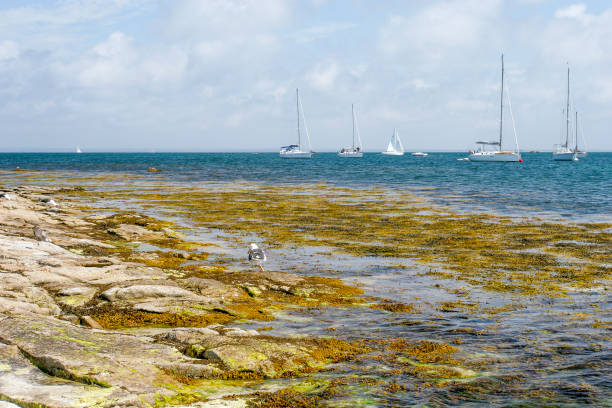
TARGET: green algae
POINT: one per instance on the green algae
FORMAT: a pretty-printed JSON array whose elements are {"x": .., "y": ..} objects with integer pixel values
[{"x": 495, "y": 253}]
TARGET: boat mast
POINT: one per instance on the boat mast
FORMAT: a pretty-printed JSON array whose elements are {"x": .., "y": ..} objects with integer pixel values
[
  {"x": 297, "y": 103},
  {"x": 501, "y": 105},
  {"x": 353, "y": 114},
  {"x": 567, "y": 110},
  {"x": 576, "y": 147}
]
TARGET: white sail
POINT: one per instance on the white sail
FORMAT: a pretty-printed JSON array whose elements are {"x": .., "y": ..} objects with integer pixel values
[
  {"x": 395, "y": 147},
  {"x": 493, "y": 151},
  {"x": 398, "y": 143},
  {"x": 295, "y": 151},
  {"x": 355, "y": 149}
]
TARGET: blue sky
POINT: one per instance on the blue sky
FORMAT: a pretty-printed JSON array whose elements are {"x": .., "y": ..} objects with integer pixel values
[{"x": 220, "y": 75}]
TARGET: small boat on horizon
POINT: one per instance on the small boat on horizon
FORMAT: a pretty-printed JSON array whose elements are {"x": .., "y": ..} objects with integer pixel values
[
  {"x": 495, "y": 153},
  {"x": 78, "y": 150},
  {"x": 420, "y": 154},
  {"x": 563, "y": 151},
  {"x": 295, "y": 151},
  {"x": 354, "y": 150},
  {"x": 395, "y": 147}
]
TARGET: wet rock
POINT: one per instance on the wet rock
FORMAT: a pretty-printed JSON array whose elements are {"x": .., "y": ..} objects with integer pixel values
[
  {"x": 76, "y": 295},
  {"x": 253, "y": 291},
  {"x": 91, "y": 322},
  {"x": 145, "y": 291},
  {"x": 213, "y": 289},
  {"x": 238, "y": 350},
  {"x": 21, "y": 381},
  {"x": 131, "y": 232},
  {"x": 85, "y": 356}
]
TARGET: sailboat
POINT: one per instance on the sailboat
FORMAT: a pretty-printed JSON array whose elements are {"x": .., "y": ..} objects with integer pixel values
[
  {"x": 295, "y": 151},
  {"x": 78, "y": 150},
  {"x": 492, "y": 151},
  {"x": 579, "y": 153},
  {"x": 395, "y": 147},
  {"x": 564, "y": 152},
  {"x": 354, "y": 150}
]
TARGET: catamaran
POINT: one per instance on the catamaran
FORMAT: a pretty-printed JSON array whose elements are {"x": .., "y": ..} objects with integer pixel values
[
  {"x": 295, "y": 151},
  {"x": 354, "y": 150},
  {"x": 564, "y": 152},
  {"x": 492, "y": 151},
  {"x": 395, "y": 147}
]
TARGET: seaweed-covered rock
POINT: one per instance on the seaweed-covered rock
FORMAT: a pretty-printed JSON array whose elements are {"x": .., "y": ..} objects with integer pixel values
[{"x": 105, "y": 359}]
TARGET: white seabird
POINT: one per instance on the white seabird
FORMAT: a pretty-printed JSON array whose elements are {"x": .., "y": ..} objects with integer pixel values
[
  {"x": 257, "y": 254},
  {"x": 49, "y": 201}
]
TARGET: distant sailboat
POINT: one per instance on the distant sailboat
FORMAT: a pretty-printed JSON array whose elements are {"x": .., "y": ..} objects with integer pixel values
[
  {"x": 295, "y": 151},
  {"x": 78, "y": 150},
  {"x": 564, "y": 151},
  {"x": 495, "y": 153},
  {"x": 354, "y": 150},
  {"x": 580, "y": 154},
  {"x": 395, "y": 147}
]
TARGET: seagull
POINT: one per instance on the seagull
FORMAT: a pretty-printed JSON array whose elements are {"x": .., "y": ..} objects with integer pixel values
[
  {"x": 40, "y": 234},
  {"x": 258, "y": 255},
  {"x": 5, "y": 195},
  {"x": 49, "y": 201}
]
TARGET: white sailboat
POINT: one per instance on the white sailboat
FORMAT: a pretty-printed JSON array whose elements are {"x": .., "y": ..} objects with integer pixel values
[
  {"x": 492, "y": 151},
  {"x": 296, "y": 151},
  {"x": 580, "y": 154},
  {"x": 78, "y": 150},
  {"x": 395, "y": 147},
  {"x": 354, "y": 150},
  {"x": 563, "y": 151}
]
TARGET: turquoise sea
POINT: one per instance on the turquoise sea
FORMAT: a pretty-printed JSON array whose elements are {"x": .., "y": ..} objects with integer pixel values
[
  {"x": 570, "y": 190},
  {"x": 541, "y": 346}
]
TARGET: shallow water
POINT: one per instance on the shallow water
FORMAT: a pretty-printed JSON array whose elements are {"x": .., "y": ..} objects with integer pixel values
[
  {"x": 568, "y": 190},
  {"x": 521, "y": 350}
]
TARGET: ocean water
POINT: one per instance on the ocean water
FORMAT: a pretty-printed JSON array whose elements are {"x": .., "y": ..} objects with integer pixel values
[
  {"x": 567, "y": 190},
  {"x": 547, "y": 352}
]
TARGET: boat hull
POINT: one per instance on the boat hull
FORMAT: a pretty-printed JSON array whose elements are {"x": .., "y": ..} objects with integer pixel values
[
  {"x": 495, "y": 157},
  {"x": 565, "y": 156},
  {"x": 296, "y": 155},
  {"x": 419, "y": 154},
  {"x": 581, "y": 155},
  {"x": 350, "y": 154},
  {"x": 393, "y": 153}
]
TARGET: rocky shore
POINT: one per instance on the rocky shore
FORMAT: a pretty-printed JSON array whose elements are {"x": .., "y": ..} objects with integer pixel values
[{"x": 85, "y": 321}]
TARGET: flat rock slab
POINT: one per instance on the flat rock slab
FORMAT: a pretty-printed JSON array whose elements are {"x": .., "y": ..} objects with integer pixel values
[
  {"x": 24, "y": 383},
  {"x": 243, "y": 350},
  {"x": 94, "y": 356},
  {"x": 146, "y": 291}
]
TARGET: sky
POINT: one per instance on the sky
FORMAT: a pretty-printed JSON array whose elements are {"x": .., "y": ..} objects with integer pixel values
[{"x": 220, "y": 75}]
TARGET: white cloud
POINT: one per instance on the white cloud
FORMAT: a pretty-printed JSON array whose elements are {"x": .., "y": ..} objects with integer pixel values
[
  {"x": 8, "y": 50},
  {"x": 323, "y": 76},
  {"x": 419, "y": 83},
  {"x": 439, "y": 28},
  {"x": 321, "y": 31},
  {"x": 577, "y": 11},
  {"x": 465, "y": 104}
]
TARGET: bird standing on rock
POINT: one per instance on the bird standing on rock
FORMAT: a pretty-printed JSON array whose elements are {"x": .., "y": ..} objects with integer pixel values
[
  {"x": 49, "y": 201},
  {"x": 40, "y": 234},
  {"x": 258, "y": 255}
]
